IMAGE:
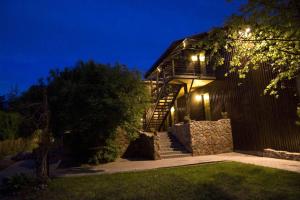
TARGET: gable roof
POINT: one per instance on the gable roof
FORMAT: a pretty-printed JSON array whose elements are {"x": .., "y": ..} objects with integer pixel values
[{"x": 169, "y": 51}]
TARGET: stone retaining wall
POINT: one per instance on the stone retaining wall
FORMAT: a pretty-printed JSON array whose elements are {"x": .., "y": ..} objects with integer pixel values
[
  {"x": 281, "y": 154},
  {"x": 146, "y": 146},
  {"x": 205, "y": 137}
]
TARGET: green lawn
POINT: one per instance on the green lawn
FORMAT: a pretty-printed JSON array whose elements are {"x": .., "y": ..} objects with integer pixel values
[{"x": 228, "y": 180}]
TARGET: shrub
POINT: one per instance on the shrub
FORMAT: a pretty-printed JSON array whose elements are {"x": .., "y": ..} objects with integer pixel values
[
  {"x": 16, "y": 183},
  {"x": 107, "y": 153},
  {"x": 9, "y": 125},
  {"x": 13, "y": 146}
]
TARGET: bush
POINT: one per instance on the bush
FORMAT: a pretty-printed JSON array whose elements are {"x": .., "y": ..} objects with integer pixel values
[
  {"x": 13, "y": 146},
  {"x": 9, "y": 125},
  {"x": 108, "y": 153},
  {"x": 16, "y": 183}
]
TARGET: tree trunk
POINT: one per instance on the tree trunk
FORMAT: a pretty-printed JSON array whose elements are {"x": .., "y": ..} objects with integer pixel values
[
  {"x": 42, "y": 159},
  {"x": 42, "y": 168}
]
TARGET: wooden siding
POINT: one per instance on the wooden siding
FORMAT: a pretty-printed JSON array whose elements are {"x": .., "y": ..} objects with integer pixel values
[{"x": 258, "y": 121}]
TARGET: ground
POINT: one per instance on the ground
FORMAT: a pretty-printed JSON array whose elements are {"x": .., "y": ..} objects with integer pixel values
[{"x": 223, "y": 180}]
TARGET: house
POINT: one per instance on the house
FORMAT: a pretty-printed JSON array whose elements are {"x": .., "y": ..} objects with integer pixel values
[{"x": 209, "y": 113}]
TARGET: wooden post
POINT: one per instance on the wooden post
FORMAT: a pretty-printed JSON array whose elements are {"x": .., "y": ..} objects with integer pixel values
[
  {"x": 187, "y": 100},
  {"x": 173, "y": 67},
  {"x": 151, "y": 87},
  {"x": 176, "y": 112},
  {"x": 157, "y": 84},
  {"x": 202, "y": 64}
]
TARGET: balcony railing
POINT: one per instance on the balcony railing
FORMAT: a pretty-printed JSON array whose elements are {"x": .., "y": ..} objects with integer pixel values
[{"x": 192, "y": 70}]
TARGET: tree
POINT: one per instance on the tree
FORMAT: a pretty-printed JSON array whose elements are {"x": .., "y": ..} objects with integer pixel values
[
  {"x": 90, "y": 101},
  {"x": 2, "y": 102},
  {"x": 265, "y": 31}
]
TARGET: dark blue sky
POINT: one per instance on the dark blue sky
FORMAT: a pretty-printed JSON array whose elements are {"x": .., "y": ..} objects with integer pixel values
[{"x": 37, "y": 35}]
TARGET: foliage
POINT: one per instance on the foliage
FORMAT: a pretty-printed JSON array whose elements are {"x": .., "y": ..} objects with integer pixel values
[
  {"x": 107, "y": 153},
  {"x": 13, "y": 146},
  {"x": 9, "y": 125},
  {"x": 2, "y": 102},
  {"x": 16, "y": 183},
  {"x": 223, "y": 180},
  {"x": 263, "y": 32},
  {"x": 21, "y": 186},
  {"x": 92, "y": 100},
  {"x": 29, "y": 105}
]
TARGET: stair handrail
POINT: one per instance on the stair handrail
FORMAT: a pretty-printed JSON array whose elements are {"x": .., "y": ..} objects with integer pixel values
[
  {"x": 154, "y": 107},
  {"x": 172, "y": 103}
]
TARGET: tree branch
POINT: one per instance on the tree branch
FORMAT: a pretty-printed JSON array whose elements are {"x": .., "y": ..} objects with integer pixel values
[{"x": 289, "y": 52}]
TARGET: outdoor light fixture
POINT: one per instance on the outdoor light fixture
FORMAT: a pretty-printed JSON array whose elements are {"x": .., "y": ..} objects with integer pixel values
[
  {"x": 198, "y": 97},
  {"x": 202, "y": 56},
  {"x": 194, "y": 58},
  {"x": 158, "y": 69},
  {"x": 142, "y": 119},
  {"x": 248, "y": 30},
  {"x": 184, "y": 44},
  {"x": 206, "y": 97},
  {"x": 172, "y": 109}
]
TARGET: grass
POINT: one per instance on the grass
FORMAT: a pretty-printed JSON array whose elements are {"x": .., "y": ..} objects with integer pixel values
[{"x": 228, "y": 180}]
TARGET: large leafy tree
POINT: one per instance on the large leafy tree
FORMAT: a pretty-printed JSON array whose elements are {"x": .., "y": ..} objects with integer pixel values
[
  {"x": 90, "y": 101},
  {"x": 264, "y": 31}
]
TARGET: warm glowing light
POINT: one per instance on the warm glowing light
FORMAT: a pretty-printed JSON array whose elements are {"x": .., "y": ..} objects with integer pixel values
[
  {"x": 206, "y": 97},
  {"x": 247, "y": 30},
  {"x": 198, "y": 97},
  {"x": 158, "y": 69},
  {"x": 202, "y": 56},
  {"x": 172, "y": 109},
  {"x": 194, "y": 58},
  {"x": 184, "y": 44},
  {"x": 142, "y": 119}
]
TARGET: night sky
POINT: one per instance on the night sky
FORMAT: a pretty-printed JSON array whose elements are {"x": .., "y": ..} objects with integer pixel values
[{"x": 38, "y": 35}]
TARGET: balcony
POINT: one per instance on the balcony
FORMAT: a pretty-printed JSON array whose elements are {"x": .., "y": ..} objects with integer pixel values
[{"x": 187, "y": 70}]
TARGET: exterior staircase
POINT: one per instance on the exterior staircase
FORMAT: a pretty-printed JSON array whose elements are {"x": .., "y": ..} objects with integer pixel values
[
  {"x": 162, "y": 105},
  {"x": 170, "y": 147}
]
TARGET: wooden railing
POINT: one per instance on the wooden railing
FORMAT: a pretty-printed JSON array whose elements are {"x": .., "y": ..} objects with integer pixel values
[{"x": 192, "y": 70}]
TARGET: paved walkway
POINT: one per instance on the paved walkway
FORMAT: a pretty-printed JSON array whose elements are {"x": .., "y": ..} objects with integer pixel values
[
  {"x": 122, "y": 165},
  {"x": 25, "y": 166}
]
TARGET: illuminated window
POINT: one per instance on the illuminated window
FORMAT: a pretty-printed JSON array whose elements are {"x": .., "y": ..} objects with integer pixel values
[{"x": 194, "y": 58}]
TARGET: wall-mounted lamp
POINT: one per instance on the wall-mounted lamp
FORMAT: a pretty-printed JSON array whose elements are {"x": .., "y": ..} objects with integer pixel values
[
  {"x": 184, "y": 43},
  {"x": 248, "y": 30},
  {"x": 202, "y": 56},
  {"x": 206, "y": 96},
  {"x": 172, "y": 109},
  {"x": 158, "y": 69},
  {"x": 198, "y": 98},
  {"x": 194, "y": 58}
]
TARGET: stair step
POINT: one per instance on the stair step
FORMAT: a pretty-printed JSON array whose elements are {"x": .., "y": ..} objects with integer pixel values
[
  {"x": 175, "y": 155},
  {"x": 170, "y": 149},
  {"x": 172, "y": 152}
]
